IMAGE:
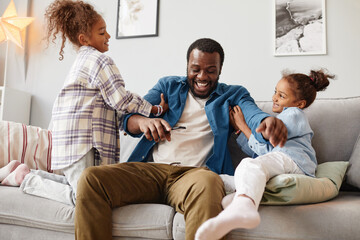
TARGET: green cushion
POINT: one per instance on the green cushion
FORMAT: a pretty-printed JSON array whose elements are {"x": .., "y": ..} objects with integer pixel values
[{"x": 287, "y": 189}]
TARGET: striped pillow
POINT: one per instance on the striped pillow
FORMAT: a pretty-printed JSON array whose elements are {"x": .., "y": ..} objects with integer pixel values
[{"x": 28, "y": 144}]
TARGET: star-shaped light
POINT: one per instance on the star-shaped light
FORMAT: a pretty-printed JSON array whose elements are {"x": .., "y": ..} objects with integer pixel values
[{"x": 13, "y": 27}]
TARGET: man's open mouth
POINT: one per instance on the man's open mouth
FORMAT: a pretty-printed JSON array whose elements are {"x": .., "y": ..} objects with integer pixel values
[{"x": 202, "y": 85}]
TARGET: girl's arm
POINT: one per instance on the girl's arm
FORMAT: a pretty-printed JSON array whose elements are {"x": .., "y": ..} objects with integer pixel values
[
  {"x": 112, "y": 88},
  {"x": 237, "y": 120}
]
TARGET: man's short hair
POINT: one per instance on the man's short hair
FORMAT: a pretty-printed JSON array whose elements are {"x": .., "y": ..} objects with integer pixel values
[{"x": 206, "y": 45}]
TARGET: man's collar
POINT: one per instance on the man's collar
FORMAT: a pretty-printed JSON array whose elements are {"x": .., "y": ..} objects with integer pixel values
[{"x": 218, "y": 90}]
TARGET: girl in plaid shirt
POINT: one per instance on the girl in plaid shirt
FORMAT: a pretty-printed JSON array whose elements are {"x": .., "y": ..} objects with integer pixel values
[{"x": 87, "y": 114}]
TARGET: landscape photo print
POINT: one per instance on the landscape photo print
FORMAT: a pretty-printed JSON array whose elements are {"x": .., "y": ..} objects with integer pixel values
[{"x": 300, "y": 27}]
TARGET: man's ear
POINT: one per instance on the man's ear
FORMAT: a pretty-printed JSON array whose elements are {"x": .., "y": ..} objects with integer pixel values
[
  {"x": 301, "y": 104},
  {"x": 83, "y": 39}
]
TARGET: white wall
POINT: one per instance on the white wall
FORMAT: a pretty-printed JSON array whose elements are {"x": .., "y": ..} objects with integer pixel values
[{"x": 244, "y": 28}]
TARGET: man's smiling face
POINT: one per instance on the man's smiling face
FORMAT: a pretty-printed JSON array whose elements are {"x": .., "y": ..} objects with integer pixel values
[{"x": 203, "y": 72}]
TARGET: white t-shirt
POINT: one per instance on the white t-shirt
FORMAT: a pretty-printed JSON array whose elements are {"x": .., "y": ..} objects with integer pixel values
[{"x": 190, "y": 146}]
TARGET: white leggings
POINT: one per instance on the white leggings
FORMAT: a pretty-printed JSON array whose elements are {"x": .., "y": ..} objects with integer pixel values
[
  {"x": 57, "y": 187},
  {"x": 251, "y": 174}
]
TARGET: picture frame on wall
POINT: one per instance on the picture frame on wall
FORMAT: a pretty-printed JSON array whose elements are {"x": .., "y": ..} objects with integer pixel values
[
  {"x": 137, "y": 18},
  {"x": 300, "y": 27}
]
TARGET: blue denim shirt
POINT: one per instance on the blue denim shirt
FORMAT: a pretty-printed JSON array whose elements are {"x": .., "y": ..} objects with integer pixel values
[{"x": 175, "y": 90}]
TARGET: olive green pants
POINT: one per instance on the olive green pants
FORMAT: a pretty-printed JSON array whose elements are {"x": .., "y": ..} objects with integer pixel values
[{"x": 194, "y": 192}]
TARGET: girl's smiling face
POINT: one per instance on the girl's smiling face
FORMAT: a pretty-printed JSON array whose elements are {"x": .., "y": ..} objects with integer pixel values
[
  {"x": 284, "y": 96},
  {"x": 99, "y": 38}
]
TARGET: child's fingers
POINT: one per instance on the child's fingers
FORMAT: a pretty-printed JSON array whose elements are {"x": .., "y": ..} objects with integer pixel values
[
  {"x": 238, "y": 109},
  {"x": 162, "y": 99},
  {"x": 164, "y": 104}
]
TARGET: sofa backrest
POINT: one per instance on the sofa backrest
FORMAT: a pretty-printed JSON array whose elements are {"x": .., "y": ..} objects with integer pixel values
[{"x": 336, "y": 126}]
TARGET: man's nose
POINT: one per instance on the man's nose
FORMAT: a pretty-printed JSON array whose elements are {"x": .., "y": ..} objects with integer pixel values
[{"x": 202, "y": 75}]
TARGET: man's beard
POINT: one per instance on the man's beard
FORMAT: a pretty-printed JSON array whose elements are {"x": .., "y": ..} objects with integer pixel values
[{"x": 206, "y": 95}]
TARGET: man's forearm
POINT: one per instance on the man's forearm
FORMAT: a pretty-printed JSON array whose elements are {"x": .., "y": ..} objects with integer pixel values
[{"x": 133, "y": 124}]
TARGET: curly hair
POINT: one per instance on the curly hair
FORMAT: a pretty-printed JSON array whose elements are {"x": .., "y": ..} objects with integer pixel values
[
  {"x": 306, "y": 86},
  {"x": 207, "y": 45},
  {"x": 69, "y": 19}
]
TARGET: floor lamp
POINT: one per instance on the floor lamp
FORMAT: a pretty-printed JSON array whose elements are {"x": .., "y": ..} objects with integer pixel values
[{"x": 12, "y": 28}]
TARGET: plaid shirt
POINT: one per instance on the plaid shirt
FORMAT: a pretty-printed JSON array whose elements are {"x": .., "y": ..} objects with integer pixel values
[{"x": 88, "y": 111}]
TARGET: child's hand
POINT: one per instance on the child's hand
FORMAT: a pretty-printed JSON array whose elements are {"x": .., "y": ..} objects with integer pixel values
[
  {"x": 160, "y": 109},
  {"x": 164, "y": 104},
  {"x": 232, "y": 120},
  {"x": 238, "y": 118},
  {"x": 238, "y": 122}
]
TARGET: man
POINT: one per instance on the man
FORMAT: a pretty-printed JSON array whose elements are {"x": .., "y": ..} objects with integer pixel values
[{"x": 185, "y": 160}]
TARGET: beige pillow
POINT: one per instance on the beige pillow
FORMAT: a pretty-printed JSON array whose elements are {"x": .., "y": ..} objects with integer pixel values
[{"x": 288, "y": 189}]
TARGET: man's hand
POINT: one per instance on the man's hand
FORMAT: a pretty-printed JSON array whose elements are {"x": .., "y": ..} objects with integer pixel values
[
  {"x": 274, "y": 130},
  {"x": 156, "y": 129}
]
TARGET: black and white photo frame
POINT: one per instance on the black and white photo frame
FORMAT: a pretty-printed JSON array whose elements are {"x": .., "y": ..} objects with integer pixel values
[
  {"x": 137, "y": 18},
  {"x": 300, "y": 27}
]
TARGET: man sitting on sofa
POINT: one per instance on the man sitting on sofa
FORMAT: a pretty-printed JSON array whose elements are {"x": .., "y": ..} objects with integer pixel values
[{"x": 187, "y": 149}]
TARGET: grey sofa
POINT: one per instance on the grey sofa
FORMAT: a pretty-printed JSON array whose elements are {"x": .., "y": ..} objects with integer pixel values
[{"x": 336, "y": 124}]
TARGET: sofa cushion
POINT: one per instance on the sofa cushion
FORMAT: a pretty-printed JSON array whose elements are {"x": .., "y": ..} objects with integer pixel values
[
  {"x": 142, "y": 220},
  {"x": 333, "y": 220},
  {"x": 288, "y": 189},
  {"x": 22, "y": 209},
  {"x": 152, "y": 221},
  {"x": 353, "y": 176}
]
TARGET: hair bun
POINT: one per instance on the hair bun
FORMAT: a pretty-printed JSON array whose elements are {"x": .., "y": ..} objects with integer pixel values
[{"x": 320, "y": 79}]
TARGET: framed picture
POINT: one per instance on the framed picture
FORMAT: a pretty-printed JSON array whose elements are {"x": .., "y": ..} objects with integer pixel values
[
  {"x": 300, "y": 27},
  {"x": 137, "y": 18}
]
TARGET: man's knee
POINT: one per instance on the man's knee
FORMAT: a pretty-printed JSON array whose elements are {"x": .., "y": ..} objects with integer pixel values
[
  {"x": 208, "y": 181},
  {"x": 88, "y": 179}
]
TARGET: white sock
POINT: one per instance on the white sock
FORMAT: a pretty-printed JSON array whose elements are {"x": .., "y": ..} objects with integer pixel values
[
  {"x": 227, "y": 200},
  {"x": 16, "y": 177},
  {"x": 10, "y": 167},
  {"x": 241, "y": 213}
]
